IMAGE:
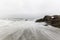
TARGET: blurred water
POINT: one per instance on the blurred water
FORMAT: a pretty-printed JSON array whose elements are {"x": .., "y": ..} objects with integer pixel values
[{"x": 27, "y": 30}]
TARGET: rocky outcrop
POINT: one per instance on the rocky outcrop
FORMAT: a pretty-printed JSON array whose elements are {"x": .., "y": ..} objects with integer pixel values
[
  {"x": 51, "y": 20},
  {"x": 45, "y": 19},
  {"x": 56, "y": 21},
  {"x": 39, "y": 20}
]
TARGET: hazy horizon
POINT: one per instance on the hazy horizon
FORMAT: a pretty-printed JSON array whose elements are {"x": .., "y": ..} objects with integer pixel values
[{"x": 28, "y": 8}]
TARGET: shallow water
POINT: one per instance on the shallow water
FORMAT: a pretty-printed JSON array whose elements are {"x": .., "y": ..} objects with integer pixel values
[{"x": 27, "y": 30}]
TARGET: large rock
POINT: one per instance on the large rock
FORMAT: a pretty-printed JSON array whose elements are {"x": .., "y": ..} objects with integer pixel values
[
  {"x": 45, "y": 19},
  {"x": 51, "y": 20},
  {"x": 56, "y": 21}
]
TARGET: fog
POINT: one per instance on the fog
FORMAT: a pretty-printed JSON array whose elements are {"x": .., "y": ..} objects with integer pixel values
[{"x": 28, "y": 8}]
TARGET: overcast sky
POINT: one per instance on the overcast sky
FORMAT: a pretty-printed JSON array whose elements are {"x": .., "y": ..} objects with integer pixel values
[{"x": 28, "y": 8}]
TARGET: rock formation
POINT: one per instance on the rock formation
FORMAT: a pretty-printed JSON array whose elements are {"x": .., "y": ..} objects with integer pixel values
[{"x": 51, "y": 20}]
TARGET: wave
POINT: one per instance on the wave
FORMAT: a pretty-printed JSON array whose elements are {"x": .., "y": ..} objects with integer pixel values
[{"x": 28, "y": 30}]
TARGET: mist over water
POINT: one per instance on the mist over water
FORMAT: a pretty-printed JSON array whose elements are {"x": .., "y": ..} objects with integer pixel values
[
  {"x": 28, "y": 8},
  {"x": 17, "y": 19}
]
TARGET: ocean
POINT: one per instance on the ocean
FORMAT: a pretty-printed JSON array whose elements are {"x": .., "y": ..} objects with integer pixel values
[{"x": 27, "y": 30}]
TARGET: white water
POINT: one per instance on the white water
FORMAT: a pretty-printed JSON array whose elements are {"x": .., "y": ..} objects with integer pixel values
[{"x": 27, "y": 30}]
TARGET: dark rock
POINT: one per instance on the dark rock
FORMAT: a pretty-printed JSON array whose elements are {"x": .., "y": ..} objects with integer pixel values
[
  {"x": 51, "y": 20},
  {"x": 45, "y": 19},
  {"x": 56, "y": 21},
  {"x": 26, "y": 19},
  {"x": 39, "y": 20}
]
